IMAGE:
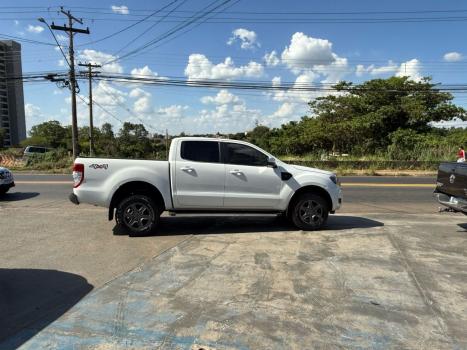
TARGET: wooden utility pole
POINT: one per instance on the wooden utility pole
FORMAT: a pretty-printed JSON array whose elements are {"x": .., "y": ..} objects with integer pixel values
[
  {"x": 91, "y": 121},
  {"x": 71, "y": 31}
]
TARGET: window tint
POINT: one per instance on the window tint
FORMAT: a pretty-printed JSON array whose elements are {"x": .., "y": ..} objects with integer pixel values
[
  {"x": 200, "y": 151},
  {"x": 235, "y": 153}
]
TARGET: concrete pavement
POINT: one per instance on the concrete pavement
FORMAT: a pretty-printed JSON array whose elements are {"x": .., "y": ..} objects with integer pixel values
[
  {"x": 383, "y": 261},
  {"x": 373, "y": 282}
]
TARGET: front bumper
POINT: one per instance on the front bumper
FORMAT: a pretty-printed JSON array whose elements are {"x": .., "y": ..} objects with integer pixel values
[
  {"x": 7, "y": 186},
  {"x": 73, "y": 198},
  {"x": 455, "y": 203}
]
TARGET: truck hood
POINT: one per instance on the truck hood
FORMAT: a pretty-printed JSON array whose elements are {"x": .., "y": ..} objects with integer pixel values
[{"x": 312, "y": 170}]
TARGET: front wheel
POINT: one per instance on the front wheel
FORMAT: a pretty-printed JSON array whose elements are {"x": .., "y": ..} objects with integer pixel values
[
  {"x": 138, "y": 214},
  {"x": 310, "y": 212}
]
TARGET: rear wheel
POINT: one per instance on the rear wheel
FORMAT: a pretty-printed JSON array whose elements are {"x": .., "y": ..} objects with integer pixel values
[
  {"x": 138, "y": 214},
  {"x": 310, "y": 212}
]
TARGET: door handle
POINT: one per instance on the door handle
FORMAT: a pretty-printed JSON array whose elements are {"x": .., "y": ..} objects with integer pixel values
[
  {"x": 235, "y": 172},
  {"x": 187, "y": 168}
]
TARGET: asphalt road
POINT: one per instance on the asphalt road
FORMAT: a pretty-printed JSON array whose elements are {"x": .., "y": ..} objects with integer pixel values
[
  {"x": 361, "y": 194},
  {"x": 53, "y": 253}
]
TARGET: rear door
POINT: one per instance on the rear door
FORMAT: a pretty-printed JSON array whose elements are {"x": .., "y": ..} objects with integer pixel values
[
  {"x": 199, "y": 175},
  {"x": 249, "y": 182},
  {"x": 453, "y": 177},
  {"x": 460, "y": 182}
]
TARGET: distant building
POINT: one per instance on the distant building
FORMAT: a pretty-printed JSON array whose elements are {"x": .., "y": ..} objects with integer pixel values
[{"x": 12, "y": 118}]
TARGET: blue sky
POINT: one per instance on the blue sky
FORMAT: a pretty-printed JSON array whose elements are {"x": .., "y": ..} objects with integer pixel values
[{"x": 282, "y": 49}]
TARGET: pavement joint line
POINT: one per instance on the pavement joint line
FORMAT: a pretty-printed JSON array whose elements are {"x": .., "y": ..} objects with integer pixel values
[{"x": 426, "y": 296}]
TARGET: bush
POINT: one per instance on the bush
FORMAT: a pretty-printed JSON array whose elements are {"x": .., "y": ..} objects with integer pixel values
[{"x": 53, "y": 160}]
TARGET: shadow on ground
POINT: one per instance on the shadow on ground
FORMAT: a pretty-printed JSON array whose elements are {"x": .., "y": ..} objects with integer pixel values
[
  {"x": 31, "y": 299},
  {"x": 227, "y": 224},
  {"x": 18, "y": 196}
]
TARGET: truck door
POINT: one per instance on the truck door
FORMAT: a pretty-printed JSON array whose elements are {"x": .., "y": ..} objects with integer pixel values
[
  {"x": 199, "y": 176},
  {"x": 249, "y": 182},
  {"x": 460, "y": 182}
]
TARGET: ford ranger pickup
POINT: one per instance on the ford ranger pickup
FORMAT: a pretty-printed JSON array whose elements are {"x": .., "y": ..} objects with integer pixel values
[{"x": 205, "y": 175}]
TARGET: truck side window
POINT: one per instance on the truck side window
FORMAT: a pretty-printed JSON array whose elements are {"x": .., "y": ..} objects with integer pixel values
[
  {"x": 200, "y": 151},
  {"x": 235, "y": 153}
]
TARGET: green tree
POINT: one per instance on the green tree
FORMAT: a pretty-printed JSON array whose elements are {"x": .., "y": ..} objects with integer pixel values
[
  {"x": 362, "y": 117},
  {"x": 52, "y": 133},
  {"x": 133, "y": 141}
]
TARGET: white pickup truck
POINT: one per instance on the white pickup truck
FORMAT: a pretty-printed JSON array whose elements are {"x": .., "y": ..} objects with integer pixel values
[{"x": 205, "y": 175}]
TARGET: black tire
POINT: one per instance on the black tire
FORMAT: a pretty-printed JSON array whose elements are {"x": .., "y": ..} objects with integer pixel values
[
  {"x": 138, "y": 215},
  {"x": 309, "y": 212},
  {"x": 3, "y": 191}
]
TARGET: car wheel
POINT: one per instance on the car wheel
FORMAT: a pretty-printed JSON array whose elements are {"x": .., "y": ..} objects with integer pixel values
[
  {"x": 137, "y": 214},
  {"x": 3, "y": 191},
  {"x": 310, "y": 212}
]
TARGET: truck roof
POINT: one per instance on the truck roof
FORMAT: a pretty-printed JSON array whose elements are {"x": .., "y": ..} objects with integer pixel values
[{"x": 202, "y": 138}]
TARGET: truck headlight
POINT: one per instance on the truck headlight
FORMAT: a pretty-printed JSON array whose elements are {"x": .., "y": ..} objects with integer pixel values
[{"x": 334, "y": 179}]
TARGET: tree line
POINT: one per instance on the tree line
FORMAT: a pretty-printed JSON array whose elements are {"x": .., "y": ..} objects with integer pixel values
[{"x": 391, "y": 118}]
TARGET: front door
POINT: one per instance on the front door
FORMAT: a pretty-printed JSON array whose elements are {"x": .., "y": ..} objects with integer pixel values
[
  {"x": 249, "y": 182},
  {"x": 199, "y": 176}
]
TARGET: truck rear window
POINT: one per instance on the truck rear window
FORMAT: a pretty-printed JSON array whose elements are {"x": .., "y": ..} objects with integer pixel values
[{"x": 200, "y": 151}]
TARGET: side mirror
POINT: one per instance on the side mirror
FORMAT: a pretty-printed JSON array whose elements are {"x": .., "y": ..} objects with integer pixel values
[{"x": 272, "y": 163}]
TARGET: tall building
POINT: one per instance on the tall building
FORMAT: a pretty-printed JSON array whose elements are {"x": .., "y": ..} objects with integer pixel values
[{"x": 12, "y": 118}]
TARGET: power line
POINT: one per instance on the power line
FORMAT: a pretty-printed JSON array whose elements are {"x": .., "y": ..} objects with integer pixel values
[
  {"x": 151, "y": 27},
  {"x": 202, "y": 13},
  {"x": 130, "y": 26}
]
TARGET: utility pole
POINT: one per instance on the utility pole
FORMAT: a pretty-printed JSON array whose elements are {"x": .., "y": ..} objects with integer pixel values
[
  {"x": 91, "y": 122},
  {"x": 71, "y": 31}
]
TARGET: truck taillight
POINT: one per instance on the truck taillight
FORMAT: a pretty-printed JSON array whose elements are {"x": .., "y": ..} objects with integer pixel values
[{"x": 78, "y": 174}]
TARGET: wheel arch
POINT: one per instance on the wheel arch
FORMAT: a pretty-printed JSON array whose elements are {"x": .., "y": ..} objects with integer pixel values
[
  {"x": 136, "y": 187},
  {"x": 310, "y": 189}
]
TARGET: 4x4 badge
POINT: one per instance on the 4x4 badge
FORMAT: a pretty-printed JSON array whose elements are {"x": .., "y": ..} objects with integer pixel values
[{"x": 452, "y": 178}]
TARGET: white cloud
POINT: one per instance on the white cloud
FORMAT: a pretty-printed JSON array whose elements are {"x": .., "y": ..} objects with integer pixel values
[
  {"x": 314, "y": 57},
  {"x": 35, "y": 29},
  {"x": 411, "y": 69},
  {"x": 335, "y": 71},
  {"x": 271, "y": 59},
  {"x": 222, "y": 97},
  {"x": 200, "y": 67},
  {"x": 61, "y": 37},
  {"x": 107, "y": 95},
  {"x": 172, "y": 112},
  {"x": 247, "y": 38},
  {"x": 99, "y": 57},
  {"x": 143, "y": 103},
  {"x": 143, "y": 72},
  {"x": 32, "y": 111},
  {"x": 285, "y": 110},
  {"x": 16, "y": 22},
  {"x": 226, "y": 118},
  {"x": 390, "y": 68},
  {"x": 453, "y": 57},
  {"x": 137, "y": 93},
  {"x": 123, "y": 10},
  {"x": 306, "y": 52}
]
